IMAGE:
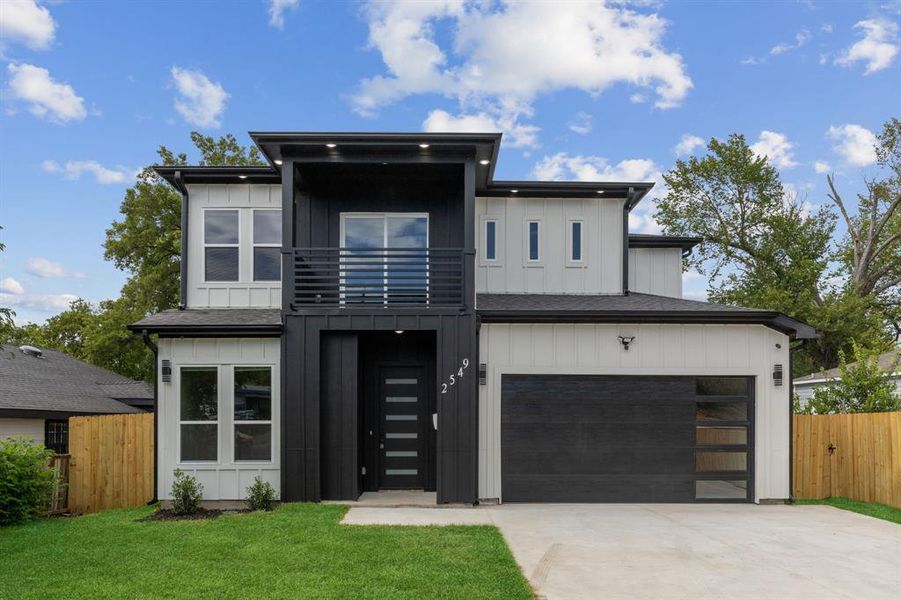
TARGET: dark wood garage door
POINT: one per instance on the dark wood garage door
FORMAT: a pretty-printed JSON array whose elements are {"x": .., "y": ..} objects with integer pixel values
[{"x": 594, "y": 438}]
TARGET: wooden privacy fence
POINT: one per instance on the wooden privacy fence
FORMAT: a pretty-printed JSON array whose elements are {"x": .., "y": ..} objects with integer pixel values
[
  {"x": 856, "y": 456},
  {"x": 59, "y": 497},
  {"x": 111, "y": 463}
]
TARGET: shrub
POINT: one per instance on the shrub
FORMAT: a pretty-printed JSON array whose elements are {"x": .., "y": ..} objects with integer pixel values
[
  {"x": 260, "y": 495},
  {"x": 187, "y": 494},
  {"x": 862, "y": 387},
  {"x": 26, "y": 480}
]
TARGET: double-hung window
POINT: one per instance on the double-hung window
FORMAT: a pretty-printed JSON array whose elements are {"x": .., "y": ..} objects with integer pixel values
[
  {"x": 253, "y": 413},
  {"x": 267, "y": 243},
  {"x": 221, "y": 247},
  {"x": 199, "y": 413}
]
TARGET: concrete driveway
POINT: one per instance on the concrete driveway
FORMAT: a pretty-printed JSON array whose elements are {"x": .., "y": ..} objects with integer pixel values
[{"x": 611, "y": 551}]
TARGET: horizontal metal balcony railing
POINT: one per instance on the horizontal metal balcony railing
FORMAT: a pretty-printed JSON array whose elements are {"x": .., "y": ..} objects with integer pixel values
[{"x": 378, "y": 277}]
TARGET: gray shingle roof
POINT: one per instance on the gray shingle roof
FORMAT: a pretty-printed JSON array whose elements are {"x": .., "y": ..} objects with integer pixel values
[
  {"x": 202, "y": 319},
  {"x": 888, "y": 362},
  {"x": 59, "y": 383},
  {"x": 634, "y": 307}
]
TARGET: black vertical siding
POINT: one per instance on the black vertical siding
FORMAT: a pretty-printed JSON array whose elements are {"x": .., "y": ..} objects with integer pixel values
[{"x": 340, "y": 460}]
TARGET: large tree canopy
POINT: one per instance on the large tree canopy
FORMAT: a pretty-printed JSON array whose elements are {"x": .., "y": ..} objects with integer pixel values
[
  {"x": 764, "y": 249},
  {"x": 146, "y": 243}
]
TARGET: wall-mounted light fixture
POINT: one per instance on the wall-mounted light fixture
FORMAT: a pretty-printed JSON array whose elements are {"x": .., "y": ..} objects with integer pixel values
[
  {"x": 166, "y": 371},
  {"x": 777, "y": 375},
  {"x": 483, "y": 373},
  {"x": 625, "y": 340}
]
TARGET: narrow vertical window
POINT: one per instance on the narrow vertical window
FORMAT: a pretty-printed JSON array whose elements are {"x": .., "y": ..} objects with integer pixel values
[
  {"x": 199, "y": 413},
  {"x": 267, "y": 242},
  {"x": 534, "y": 240},
  {"x": 253, "y": 413},
  {"x": 490, "y": 240},
  {"x": 576, "y": 241},
  {"x": 220, "y": 240}
]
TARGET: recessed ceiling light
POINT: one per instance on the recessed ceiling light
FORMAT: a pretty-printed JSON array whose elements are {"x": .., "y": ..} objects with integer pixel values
[
  {"x": 398, "y": 331},
  {"x": 278, "y": 162},
  {"x": 484, "y": 161},
  {"x": 331, "y": 145},
  {"x": 423, "y": 145},
  {"x": 600, "y": 191},
  {"x": 242, "y": 176},
  {"x": 514, "y": 191}
]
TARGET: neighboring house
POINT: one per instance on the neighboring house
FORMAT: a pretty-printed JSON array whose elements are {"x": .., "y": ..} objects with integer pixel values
[
  {"x": 41, "y": 389},
  {"x": 888, "y": 362},
  {"x": 375, "y": 311}
]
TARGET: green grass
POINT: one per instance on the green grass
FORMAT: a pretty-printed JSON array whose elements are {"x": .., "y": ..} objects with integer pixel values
[
  {"x": 880, "y": 511},
  {"x": 296, "y": 551}
]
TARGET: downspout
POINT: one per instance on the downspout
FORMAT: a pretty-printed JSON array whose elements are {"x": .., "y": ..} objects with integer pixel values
[
  {"x": 627, "y": 208},
  {"x": 156, "y": 413},
  {"x": 183, "y": 277}
]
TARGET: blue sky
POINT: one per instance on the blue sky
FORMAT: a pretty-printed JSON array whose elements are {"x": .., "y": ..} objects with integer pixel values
[{"x": 91, "y": 89}]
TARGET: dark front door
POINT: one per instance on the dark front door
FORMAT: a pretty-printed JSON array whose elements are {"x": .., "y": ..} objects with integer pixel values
[{"x": 404, "y": 423}]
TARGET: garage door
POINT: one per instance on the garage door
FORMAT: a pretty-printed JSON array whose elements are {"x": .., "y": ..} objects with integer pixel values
[{"x": 594, "y": 438}]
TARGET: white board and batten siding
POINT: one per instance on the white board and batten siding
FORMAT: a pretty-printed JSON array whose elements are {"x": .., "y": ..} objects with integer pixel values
[
  {"x": 30, "y": 429},
  {"x": 656, "y": 271},
  {"x": 244, "y": 293},
  {"x": 685, "y": 350},
  {"x": 224, "y": 479},
  {"x": 599, "y": 272}
]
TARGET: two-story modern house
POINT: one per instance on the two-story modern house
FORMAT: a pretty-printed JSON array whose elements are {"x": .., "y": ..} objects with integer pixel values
[{"x": 375, "y": 311}]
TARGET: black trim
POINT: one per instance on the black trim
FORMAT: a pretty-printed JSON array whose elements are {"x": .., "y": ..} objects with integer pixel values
[
  {"x": 776, "y": 321},
  {"x": 179, "y": 184},
  {"x": 638, "y": 240},
  {"x": 625, "y": 242},
  {"x": 24, "y": 413},
  {"x": 258, "y": 330},
  {"x": 230, "y": 174}
]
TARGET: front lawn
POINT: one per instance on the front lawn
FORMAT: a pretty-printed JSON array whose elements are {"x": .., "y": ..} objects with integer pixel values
[
  {"x": 297, "y": 551},
  {"x": 880, "y": 511}
]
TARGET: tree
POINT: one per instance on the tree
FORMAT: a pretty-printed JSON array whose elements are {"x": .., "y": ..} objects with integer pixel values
[
  {"x": 7, "y": 325},
  {"x": 763, "y": 249},
  {"x": 871, "y": 251},
  {"x": 861, "y": 387}
]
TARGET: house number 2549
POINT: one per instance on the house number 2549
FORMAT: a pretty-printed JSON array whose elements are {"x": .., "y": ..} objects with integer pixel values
[{"x": 452, "y": 380}]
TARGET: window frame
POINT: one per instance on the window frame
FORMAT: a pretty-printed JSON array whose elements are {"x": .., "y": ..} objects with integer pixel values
[
  {"x": 270, "y": 421},
  {"x": 254, "y": 245},
  {"x": 569, "y": 240},
  {"x": 493, "y": 250},
  {"x": 217, "y": 422},
  {"x": 528, "y": 242},
  {"x": 206, "y": 245}
]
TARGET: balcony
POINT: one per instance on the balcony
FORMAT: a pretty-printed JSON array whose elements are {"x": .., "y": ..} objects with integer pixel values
[{"x": 378, "y": 277}]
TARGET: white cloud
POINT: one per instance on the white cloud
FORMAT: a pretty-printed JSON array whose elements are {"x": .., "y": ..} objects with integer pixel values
[
  {"x": 688, "y": 143},
  {"x": 691, "y": 274},
  {"x": 695, "y": 295},
  {"x": 801, "y": 38},
  {"x": 8, "y": 285},
  {"x": 581, "y": 124},
  {"x": 826, "y": 28},
  {"x": 501, "y": 56},
  {"x": 25, "y": 22},
  {"x": 46, "y": 98},
  {"x": 562, "y": 166},
  {"x": 776, "y": 147},
  {"x": 45, "y": 268},
  {"x": 638, "y": 98},
  {"x": 821, "y": 166},
  {"x": 855, "y": 144},
  {"x": 520, "y": 134},
  {"x": 878, "y": 47},
  {"x": 751, "y": 60},
  {"x": 277, "y": 10},
  {"x": 12, "y": 293},
  {"x": 201, "y": 101},
  {"x": 74, "y": 168}
]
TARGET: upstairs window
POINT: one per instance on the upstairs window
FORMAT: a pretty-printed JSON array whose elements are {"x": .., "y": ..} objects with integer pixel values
[
  {"x": 220, "y": 245},
  {"x": 575, "y": 241},
  {"x": 534, "y": 241},
  {"x": 490, "y": 240},
  {"x": 267, "y": 245}
]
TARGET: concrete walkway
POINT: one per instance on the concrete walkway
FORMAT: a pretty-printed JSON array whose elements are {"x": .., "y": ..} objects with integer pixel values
[{"x": 677, "y": 551}]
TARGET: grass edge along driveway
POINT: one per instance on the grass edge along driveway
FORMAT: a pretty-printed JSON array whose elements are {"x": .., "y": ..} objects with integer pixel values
[
  {"x": 870, "y": 509},
  {"x": 297, "y": 551}
]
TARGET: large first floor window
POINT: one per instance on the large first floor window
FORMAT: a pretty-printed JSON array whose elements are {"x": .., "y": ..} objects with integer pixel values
[
  {"x": 199, "y": 413},
  {"x": 253, "y": 413},
  {"x": 249, "y": 400}
]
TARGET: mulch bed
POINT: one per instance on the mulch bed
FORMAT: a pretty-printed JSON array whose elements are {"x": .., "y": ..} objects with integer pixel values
[{"x": 200, "y": 515}]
